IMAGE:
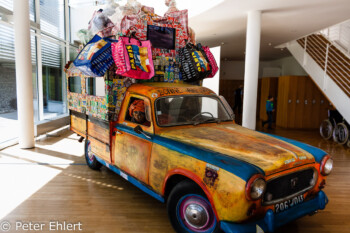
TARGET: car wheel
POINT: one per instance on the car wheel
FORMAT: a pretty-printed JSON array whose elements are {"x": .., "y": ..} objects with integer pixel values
[
  {"x": 189, "y": 209},
  {"x": 90, "y": 157},
  {"x": 341, "y": 133},
  {"x": 326, "y": 129}
]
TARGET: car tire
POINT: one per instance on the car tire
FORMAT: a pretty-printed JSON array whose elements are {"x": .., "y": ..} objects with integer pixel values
[
  {"x": 190, "y": 211},
  {"x": 326, "y": 129},
  {"x": 90, "y": 157},
  {"x": 341, "y": 133}
]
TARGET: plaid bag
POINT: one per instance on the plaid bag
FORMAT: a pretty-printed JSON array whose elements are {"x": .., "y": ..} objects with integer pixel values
[
  {"x": 181, "y": 17},
  {"x": 95, "y": 58},
  {"x": 194, "y": 63},
  {"x": 211, "y": 59},
  {"x": 141, "y": 30}
]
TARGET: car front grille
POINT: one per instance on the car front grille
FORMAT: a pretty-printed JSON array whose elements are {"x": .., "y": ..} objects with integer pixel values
[{"x": 287, "y": 186}]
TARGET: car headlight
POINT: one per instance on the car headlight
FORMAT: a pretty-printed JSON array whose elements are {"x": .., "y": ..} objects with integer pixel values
[
  {"x": 326, "y": 165},
  {"x": 255, "y": 188}
]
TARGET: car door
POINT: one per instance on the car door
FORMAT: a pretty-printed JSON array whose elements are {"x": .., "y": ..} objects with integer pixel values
[{"x": 131, "y": 150}]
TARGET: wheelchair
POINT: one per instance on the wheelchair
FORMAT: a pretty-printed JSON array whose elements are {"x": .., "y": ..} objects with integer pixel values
[{"x": 335, "y": 127}]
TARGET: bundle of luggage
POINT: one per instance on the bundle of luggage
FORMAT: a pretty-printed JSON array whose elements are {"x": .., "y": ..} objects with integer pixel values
[
  {"x": 145, "y": 46},
  {"x": 131, "y": 44}
]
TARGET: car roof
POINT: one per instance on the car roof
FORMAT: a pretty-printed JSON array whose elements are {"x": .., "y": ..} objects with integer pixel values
[{"x": 155, "y": 90}]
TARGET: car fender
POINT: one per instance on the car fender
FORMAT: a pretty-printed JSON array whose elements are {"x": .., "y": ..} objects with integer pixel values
[{"x": 192, "y": 176}]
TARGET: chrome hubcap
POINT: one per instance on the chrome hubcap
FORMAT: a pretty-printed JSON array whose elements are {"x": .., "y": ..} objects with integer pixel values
[{"x": 196, "y": 216}]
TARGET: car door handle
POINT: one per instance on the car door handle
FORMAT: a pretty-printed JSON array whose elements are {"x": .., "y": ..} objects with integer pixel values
[{"x": 116, "y": 132}]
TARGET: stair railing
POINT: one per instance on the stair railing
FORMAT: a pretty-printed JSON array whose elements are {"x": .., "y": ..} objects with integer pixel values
[{"x": 332, "y": 61}]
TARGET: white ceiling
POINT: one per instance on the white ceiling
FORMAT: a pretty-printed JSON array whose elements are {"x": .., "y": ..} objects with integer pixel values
[
  {"x": 217, "y": 21},
  {"x": 282, "y": 21}
]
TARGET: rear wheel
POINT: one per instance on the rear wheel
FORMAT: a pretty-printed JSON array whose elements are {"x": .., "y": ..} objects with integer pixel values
[
  {"x": 90, "y": 157},
  {"x": 341, "y": 133},
  {"x": 190, "y": 211},
  {"x": 326, "y": 129}
]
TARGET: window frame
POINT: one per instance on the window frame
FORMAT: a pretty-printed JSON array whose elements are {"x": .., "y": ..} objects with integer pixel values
[
  {"x": 86, "y": 89},
  {"x": 149, "y": 129},
  {"x": 69, "y": 85}
]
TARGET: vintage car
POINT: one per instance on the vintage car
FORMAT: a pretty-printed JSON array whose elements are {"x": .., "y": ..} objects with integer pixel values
[{"x": 213, "y": 174}]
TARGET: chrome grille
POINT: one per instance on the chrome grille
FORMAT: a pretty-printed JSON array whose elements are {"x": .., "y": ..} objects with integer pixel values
[{"x": 287, "y": 186}]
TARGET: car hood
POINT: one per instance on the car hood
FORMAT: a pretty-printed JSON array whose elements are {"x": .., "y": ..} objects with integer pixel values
[{"x": 268, "y": 153}]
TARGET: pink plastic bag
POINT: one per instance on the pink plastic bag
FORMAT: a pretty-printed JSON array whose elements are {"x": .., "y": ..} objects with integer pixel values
[
  {"x": 214, "y": 66},
  {"x": 133, "y": 58}
]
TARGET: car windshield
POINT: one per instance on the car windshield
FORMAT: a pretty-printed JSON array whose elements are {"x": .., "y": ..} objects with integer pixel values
[{"x": 184, "y": 110}]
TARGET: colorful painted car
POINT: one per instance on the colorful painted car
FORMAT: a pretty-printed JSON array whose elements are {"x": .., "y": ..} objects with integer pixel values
[{"x": 213, "y": 174}]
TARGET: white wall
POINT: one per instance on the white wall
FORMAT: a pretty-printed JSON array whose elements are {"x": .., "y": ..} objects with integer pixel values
[
  {"x": 80, "y": 18},
  {"x": 290, "y": 66},
  {"x": 232, "y": 70},
  {"x": 213, "y": 83},
  {"x": 284, "y": 66}
]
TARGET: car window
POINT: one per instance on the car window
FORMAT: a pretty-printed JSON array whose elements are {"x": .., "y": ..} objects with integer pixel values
[
  {"x": 95, "y": 86},
  {"x": 136, "y": 112},
  {"x": 182, "y": 110},
  {"x": 74, "y": 84}
]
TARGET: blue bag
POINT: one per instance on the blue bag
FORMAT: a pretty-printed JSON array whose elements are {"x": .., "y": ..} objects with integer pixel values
[{"x": 96, "y": 57}]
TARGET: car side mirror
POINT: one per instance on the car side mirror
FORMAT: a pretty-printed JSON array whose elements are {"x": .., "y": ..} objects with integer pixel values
[{"x": 138, "y": 129}]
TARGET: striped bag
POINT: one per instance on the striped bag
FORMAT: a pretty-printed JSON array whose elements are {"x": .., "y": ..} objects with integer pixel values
[
  {"x": 194, "y": 63},
  {"x": 95, "y": 58}
]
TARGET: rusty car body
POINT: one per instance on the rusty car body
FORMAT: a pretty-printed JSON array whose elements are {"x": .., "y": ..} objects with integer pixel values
[{"x": 214, "y": 174}]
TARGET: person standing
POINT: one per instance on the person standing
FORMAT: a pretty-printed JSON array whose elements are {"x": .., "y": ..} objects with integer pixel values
[
  {"x": 269, "y": 111},
  {"x": 238, "y": 99}
]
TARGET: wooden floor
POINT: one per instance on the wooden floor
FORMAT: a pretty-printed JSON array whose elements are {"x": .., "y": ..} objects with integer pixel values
[{"x": 52, "y": 183}]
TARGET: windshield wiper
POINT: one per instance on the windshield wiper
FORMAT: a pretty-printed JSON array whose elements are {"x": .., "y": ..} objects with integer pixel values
[{"x": 216, "y": 120}]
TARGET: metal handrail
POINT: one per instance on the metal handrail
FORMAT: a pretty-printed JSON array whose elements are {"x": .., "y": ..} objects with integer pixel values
[
  {"x": 328, "y": 55},
  {"x": 315, "y": 49},
  {"x": 332, "y": 56},
  {"x": 315, "y": 56},
  {"x": 339, "y": 56},
  {"x": 340, "y": 79}
]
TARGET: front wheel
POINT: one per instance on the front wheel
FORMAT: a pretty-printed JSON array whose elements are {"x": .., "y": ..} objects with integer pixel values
[
  {"x": 90, "y": 157},
  {"x": 190, "y": 211}
]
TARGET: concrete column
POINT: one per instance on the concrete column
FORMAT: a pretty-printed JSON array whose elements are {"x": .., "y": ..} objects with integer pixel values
[
  {"x": 251, "y": 69},
  {"x": 25, "y": 108}
]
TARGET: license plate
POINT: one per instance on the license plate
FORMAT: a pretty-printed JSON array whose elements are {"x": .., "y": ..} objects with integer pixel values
[{"x": 282, "y": 206}]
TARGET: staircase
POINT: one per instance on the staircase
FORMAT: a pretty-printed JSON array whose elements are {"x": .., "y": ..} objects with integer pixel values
[{"x": 328, "y": 66}]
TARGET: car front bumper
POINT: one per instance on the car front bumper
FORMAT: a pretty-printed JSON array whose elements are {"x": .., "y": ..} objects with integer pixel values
[{"x": 271, "y": 221}]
